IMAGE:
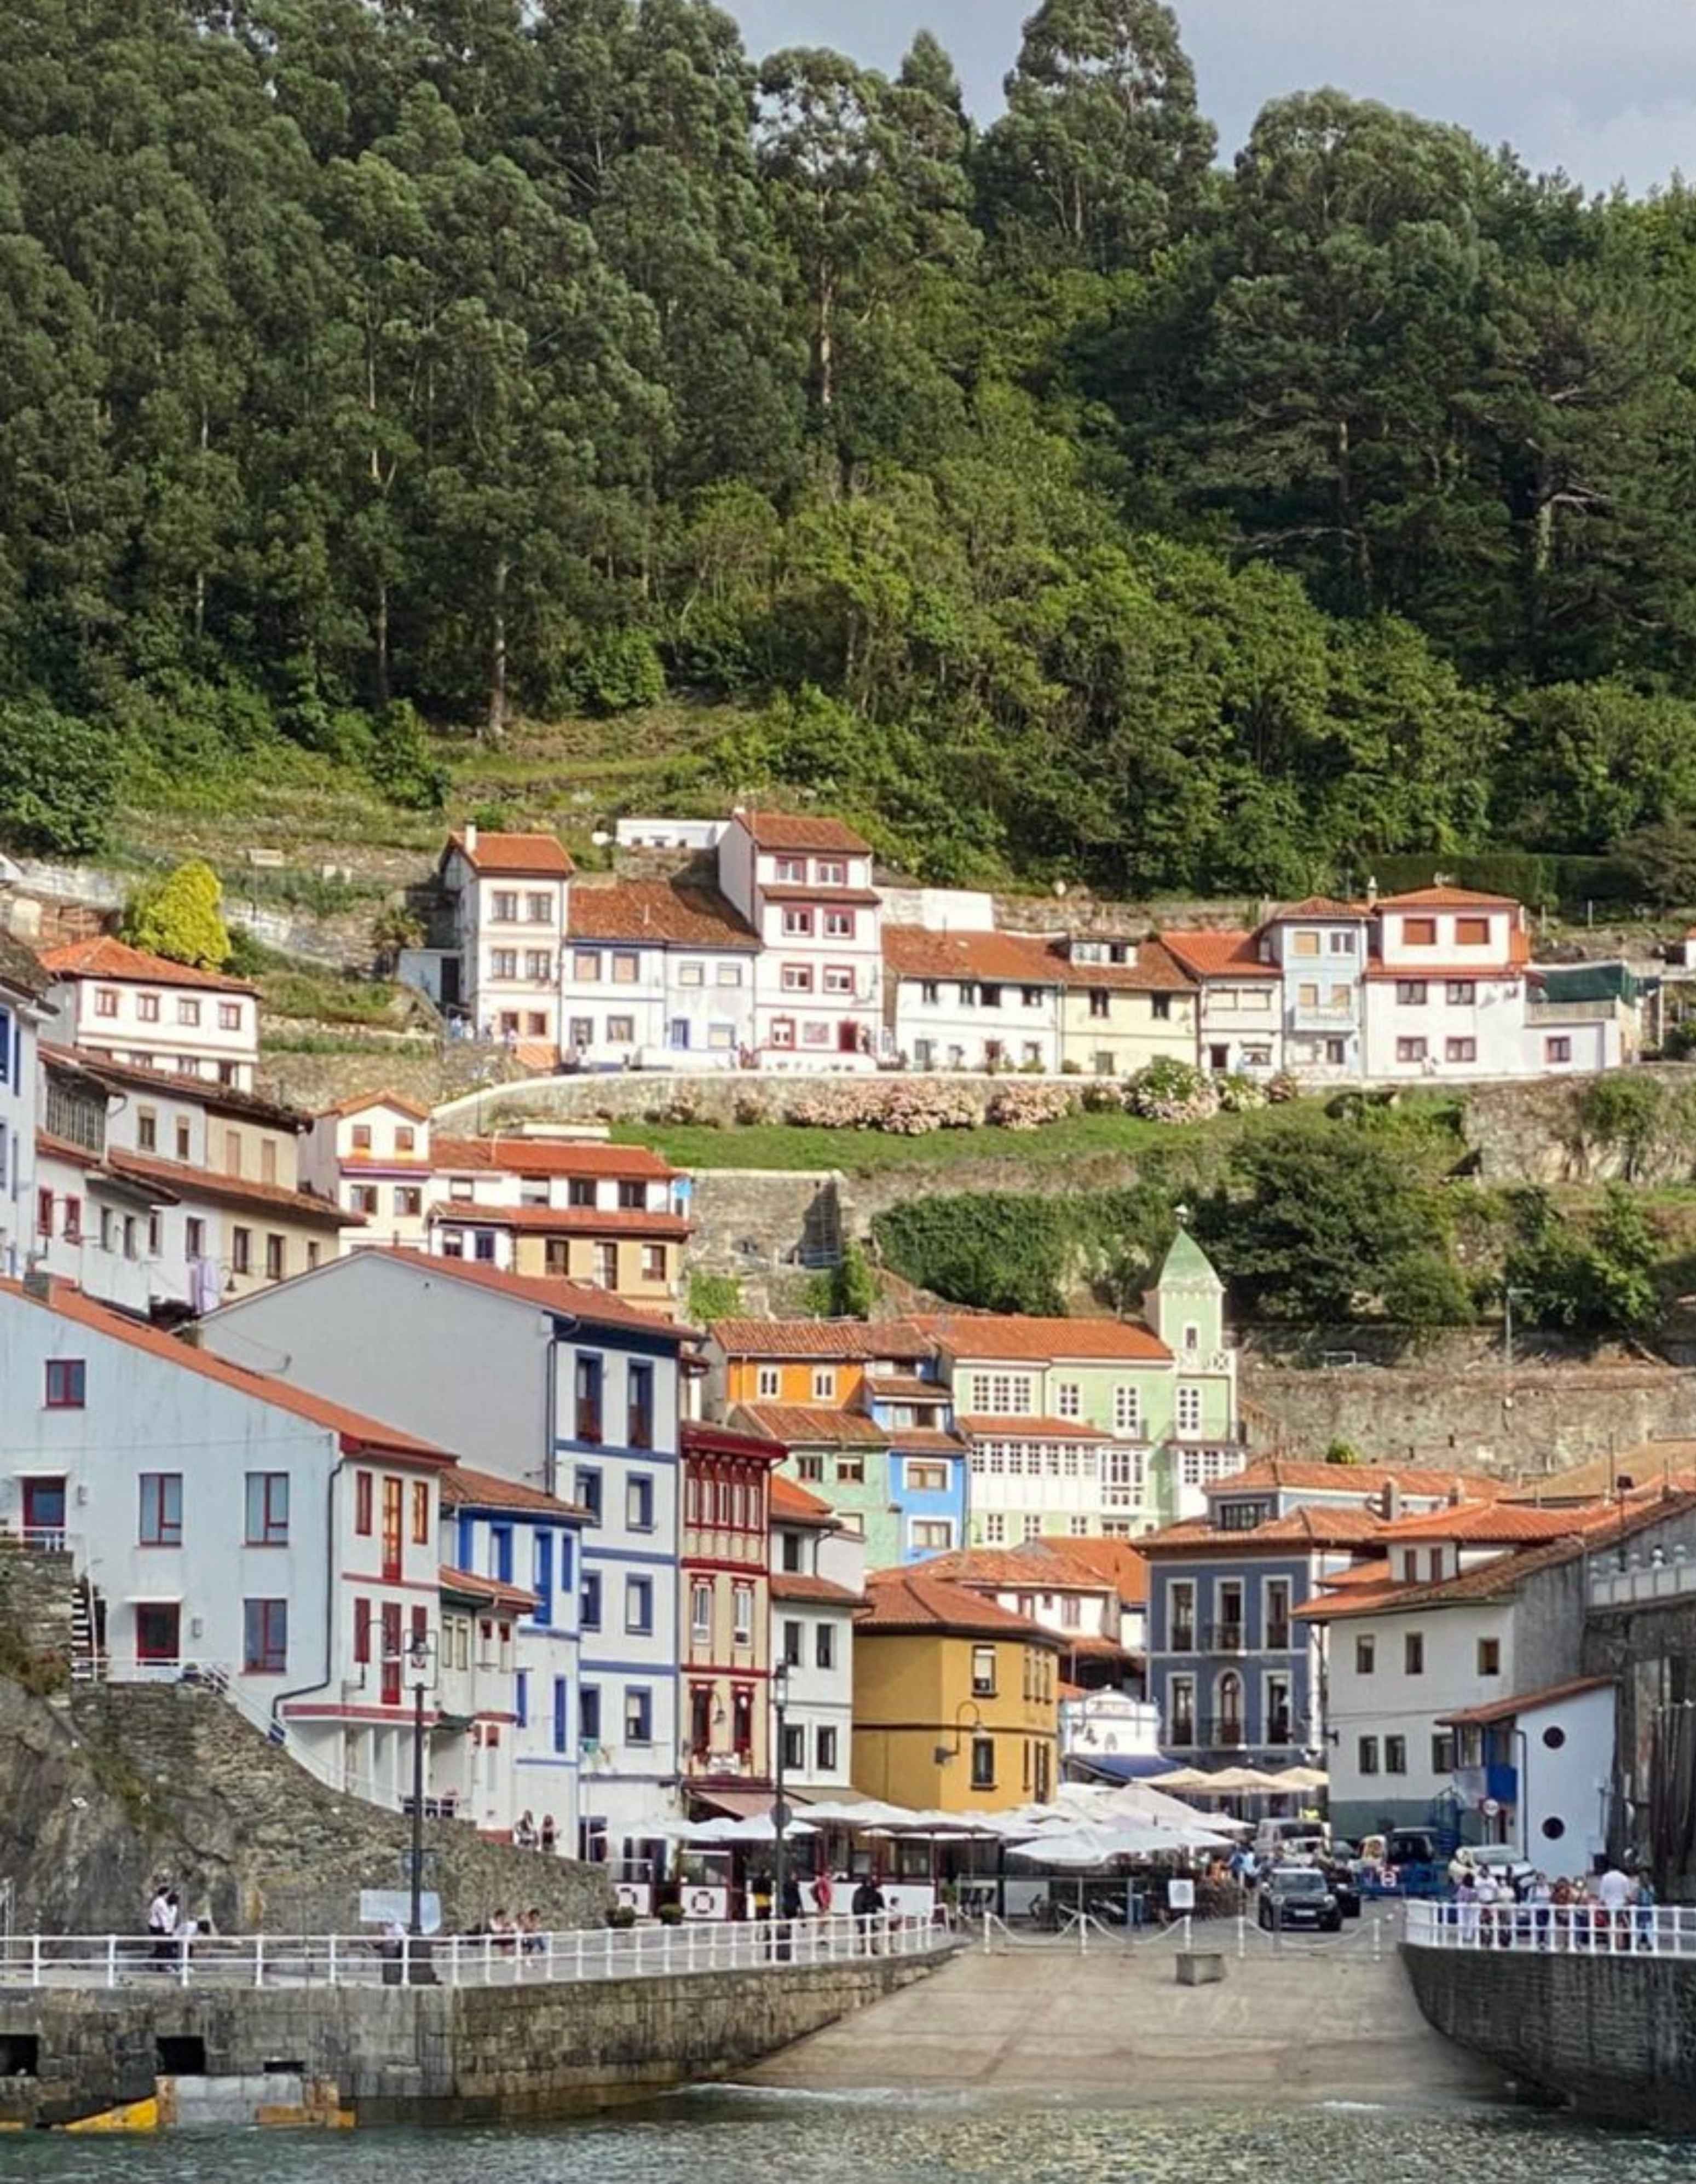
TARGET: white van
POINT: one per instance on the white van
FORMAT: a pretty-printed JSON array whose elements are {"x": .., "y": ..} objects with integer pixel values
[{"x": 1287, "y": 1839}]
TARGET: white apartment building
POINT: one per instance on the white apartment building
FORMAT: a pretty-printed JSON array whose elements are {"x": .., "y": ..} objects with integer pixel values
[
  {"x": 279, "y": 1546},
  {"x": 657, "y": 974},
  {"x": 113, "y": 999},
  {"x": 510, "y": 895},
  {"x": 817, "y": 1583},
  {"x": 805, "y": 886},
  {"x": 1241, "y": 1018},
  {"x": 23, "y": 983},
  {"x": 370, "y": 1155},
  {"x": 1447, "y": 993},
  {"x": 971, "y": 1000},
  {"x": 556, "y": 1386}
]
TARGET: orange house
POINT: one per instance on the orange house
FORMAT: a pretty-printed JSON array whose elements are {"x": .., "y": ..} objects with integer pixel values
[{"x": 812, "y": 1362}]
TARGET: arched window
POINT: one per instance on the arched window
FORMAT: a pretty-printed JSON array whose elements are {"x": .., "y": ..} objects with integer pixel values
[{"x": 1229, "y": 1692}]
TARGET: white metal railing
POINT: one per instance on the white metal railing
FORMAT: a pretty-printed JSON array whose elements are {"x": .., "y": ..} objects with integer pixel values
[
  {"x": 315, "y": 1960},
  {"x": 1662, "y": 1577},
  {"x": 1579, "y": 1930},
  {"x": 41, "y": 1538}
]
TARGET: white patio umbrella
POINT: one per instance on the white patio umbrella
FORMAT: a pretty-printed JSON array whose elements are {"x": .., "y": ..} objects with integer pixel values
[
  {"x": 1180, "y": 1778},
  {"x": 1302, "y": 1778},
  {"x": 1086, "y": 1847}
]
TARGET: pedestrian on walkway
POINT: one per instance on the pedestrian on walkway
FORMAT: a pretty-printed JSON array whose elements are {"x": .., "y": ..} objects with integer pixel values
[
  {"x": 524, "y": 1835},
  {"x": 160, "y": 1924},
  {"x": 551, "y": 1835},
  {"x": 867, "y": 1907},
  {"x": 822, "y": 1895},
  {"x": 1466, "y": 1907}
]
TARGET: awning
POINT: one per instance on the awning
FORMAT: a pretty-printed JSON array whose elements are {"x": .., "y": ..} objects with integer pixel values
[
  {"x": 734, "y": 1804},
  {"x": 1121, "y": 1766}
]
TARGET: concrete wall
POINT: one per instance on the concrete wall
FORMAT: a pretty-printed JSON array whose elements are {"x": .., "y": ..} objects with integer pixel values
[
  {"x": 435, "y": 2054},
  {"x": 1615, "y": 2036}
]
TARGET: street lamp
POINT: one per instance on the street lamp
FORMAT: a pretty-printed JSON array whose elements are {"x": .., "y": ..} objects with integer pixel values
[
  {"x": 420, "y": 1674},
  {"x": 780, "y": 1700}
]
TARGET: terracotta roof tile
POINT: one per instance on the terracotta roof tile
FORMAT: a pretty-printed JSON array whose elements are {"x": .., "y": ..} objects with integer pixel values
[
  {"x": 982, "y": 1426},
  {"x": 533, "y": 1156},
  {"x": 542, "y": 855},
  {"x": 794, "y": 830},
  {"x": 809, "y": 1425},
  {"x": 1525, "y": 1702},
  {"x": 907, "y": 1387},
  {"x": 907, "y": 1601},
  {"x": 1007, "y": 958},
  {"x": 1488, "y": 1523},
  {"x": 653, "y": 912},
  {"x": 354, "y": 1428},
  {"x": 559, "y": 1220},
  {"x": 1302, "y": 1528},
  {"x": 1208, "y": 953},
  {"x": 791, "y": 1504},
  {"x": 792, "y": 891},
  {"x": 1380, "y": 974},
  {"x": 1646, "y": 1465},
  {"x": 1156, "y": 970},
  {"x": 795, "y": 1585},
  {"x": 1447, "y": 898},
  {"x": 484, "y": 1490},
  {"x": 544, "y": 1293},
  {"x": 705, "y": 1437},
  {"x": 189, "y": 1182},
  {"x": 489, "y": 1588},
  {"x": 1358, "y": 1478},
  {"x": 1017, "y": 1336},
  {"x": 106, "y": 957},
  {"x": 844, "y": 1339},
  {"x": 1321, "y": 906},
  {"x": 924, "y": 1440},
  {"x": 358, "y": 1101},
  {"x": 172, "y": 1084},
  {"x": 1046, "y": 1565}
]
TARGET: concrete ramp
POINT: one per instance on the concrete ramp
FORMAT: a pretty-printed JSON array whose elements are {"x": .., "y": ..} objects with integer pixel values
[{"x": 1316, "y": 2022}]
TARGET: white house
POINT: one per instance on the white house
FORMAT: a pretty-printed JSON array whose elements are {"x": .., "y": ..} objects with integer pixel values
[
  {"x": 1446, "y": 989},
  {"x": 23, "y": 983},
  {"x": 509, "y": 894},
  {"x": 113, "y": 999},
  {"x": 805, "y": 886},
  {"x": 1091, "y": 1594},
  {"x": 1241, "y": 1016},
  {"x": 818, "y": 1583},
  {"x": 227, "y": 1524},
  {"x": 971, "y": 1000},
  {"x": 657, "y": 974},
  {"x": 556, "y": 1386},
  {"x": 370, "y": 1155}
]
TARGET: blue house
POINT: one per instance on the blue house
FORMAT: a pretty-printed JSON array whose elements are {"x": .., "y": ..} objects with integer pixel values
[
  {"x": 1235, "y": 1675},
  {"x": 926, "y": 1461},
  {"x": 516, "y": 1535}
]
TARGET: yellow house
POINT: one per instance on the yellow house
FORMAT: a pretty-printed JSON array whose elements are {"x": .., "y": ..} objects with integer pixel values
[
  {"x": 1125, "y": 1004},
  {"x": 955, "y": 1704}
]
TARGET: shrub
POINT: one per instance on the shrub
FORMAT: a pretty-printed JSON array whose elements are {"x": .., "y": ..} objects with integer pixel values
[
  {"x": 58, "y": 779},
  {"x": 1029, "y": 1106},
  {"x": 1281, "y": 1088},
  {"x": 621, "y": 670},
  {"x": 622, "y": 1916},
  {"x": 182, "y": 917},
  {"x": 400, "y": 763},
  {"x": 995, "y": 1250},
  {"x": 670, "y": 1914},
  {"x": 1238, "y": 1094},
  {"x": 713, "y": 1296},
  {"x": 1171, "y": 1091}
]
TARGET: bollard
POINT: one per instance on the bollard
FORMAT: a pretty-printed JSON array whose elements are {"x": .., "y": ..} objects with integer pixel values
[{"x": 1242, "y": 1936}]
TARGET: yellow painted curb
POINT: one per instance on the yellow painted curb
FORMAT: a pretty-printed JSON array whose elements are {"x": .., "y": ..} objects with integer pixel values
[{"x": 133, "y": 2115}]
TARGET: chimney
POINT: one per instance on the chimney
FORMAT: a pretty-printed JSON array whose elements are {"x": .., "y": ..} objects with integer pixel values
[
  {"x": 1392, "y": 1501},
  {"x": 38, "y": 1282},
  {"x": 1372, "y": 893},
  {"x": 470, "y": 833}
]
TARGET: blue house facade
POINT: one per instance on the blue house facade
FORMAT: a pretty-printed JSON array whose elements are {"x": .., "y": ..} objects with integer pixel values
[
  {"x": 928, "y": 1492},
  {"x": 497, "y": 1528}
]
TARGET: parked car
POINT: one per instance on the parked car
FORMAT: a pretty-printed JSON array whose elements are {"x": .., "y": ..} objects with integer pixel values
[
  {"x": 1297, "y": 1895},
  {"x": 1339, "y": 1879}
]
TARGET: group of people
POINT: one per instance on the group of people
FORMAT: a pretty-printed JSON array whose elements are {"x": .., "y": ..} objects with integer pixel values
[
  {"x": 1615, "y": 1907},
  {"x": 527, "y": 1836},
  {"x": 521, "y": 1933}
]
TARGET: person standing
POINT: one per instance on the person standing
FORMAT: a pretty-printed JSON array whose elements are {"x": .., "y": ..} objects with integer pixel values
[
  {"x": 867, "y": 1907},
  {"x": 550, "y": 1834},
  {"x": 160, "y": 1925},
  {"x": 1613, "y": 1895}
]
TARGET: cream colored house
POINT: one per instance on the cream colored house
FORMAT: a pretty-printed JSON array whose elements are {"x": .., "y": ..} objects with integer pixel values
[
  {"x": 110, "y": 998},
  {"x": 371, "y": 1156},
  {"x": 1125, "y": 1004}
]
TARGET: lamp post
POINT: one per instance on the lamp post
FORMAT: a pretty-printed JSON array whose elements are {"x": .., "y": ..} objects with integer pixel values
[
  {"x": 780, "y": 1701},
  {"x": 418, "y": 1669}
]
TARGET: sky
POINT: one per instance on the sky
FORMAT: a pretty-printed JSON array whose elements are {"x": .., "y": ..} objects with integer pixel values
[{"x": 1606, "y": 92}]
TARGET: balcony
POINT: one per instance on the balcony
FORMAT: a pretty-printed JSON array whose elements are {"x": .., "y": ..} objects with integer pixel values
[
  {"x": 1226, "y": 1638},
  {"x": 1277, "y": 1638},
  {"x": 1337, "y": 1023},
  {"x": 1183, "y": 1639},
  {"x": 1222, "y": 1732}
]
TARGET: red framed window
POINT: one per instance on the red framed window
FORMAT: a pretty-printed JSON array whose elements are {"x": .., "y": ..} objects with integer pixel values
[
  {"x": 362, "y": 1631},
  {"x": 264, "y": 1649},
  {"x": 67, "y": 1384},
  {"x": 362, "y": 1503},
  {"x": 391, "y": 1529},
  {"x": 391, "y": 1653},
  {"x": 44, "y": 1212},
  {"x": 421, "y": 1513}
]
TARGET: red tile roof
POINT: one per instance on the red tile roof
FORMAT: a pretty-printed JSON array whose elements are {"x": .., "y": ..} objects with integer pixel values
[
  {"x": 1018, "y": 1335},
  {"x": 358, "y": 1101},
  {"x": 983, "y": 1426},
  {"x": 559, "y": 1220},
  {"x": 1447, "y": 898},
  {"x": 354, "y": 1429},
  {"x": 809, "y": 1425},
  {"x": 1358, "y": 1478},
  {"x": 840, "y": 1338},
  {"x": 534, "y": 1156},
  {"x": 906, "y": 1600},
  {"x": 1045, "y": 1565},
  {"x": 484, "y": 1490},
  {"x": 924, "y": 1440},
  {"x": 108, "y": 958},
  {"x": 651, "y": 912},
  {"x": 795, "y": 1585},
  {"x": 1380, "y": 974},
  {"x": 489, "y": 1588},
  {"x": 1375, "y": 1571},
  {"x": 1488, "y": 1524},
  {"x": 698, "y": 1437},
  {"x": 794, "y": 830},
  {"x": 543, "y": 1292},
  {"x": 1526, "y": 1702},
  {"x": 1116, "y": 1559},
  {"x": 541, "y": 855},
  {"x": 1156, "y": 970},
  {"x": 906, "y": 1387},
  {"x": 791, "y": 1504},
  {"x": 1322, "y": 906},
  {"x": 829, "y": 897},
  {"x": 1008, "y": 958},
  {"x": 1213, "y": 955},
  {"x": 1646, "y": 1464},
  {"x": 172, "y": 1084},
  {"x": 1306, "y": 1527},
  {"x": 240, "y": 1190}
]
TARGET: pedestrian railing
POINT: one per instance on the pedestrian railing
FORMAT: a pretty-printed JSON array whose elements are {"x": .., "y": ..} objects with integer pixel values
[
  {"x": 1579, "y": 1930},
  {"x": 226, "y": 1961}
]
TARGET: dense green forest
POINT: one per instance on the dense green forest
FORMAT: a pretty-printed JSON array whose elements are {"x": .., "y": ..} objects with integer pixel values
[{"x": 1045, "y": 493}]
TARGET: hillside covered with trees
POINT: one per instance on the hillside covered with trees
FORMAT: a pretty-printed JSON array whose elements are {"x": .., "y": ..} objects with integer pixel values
[{"x": 1050, "y": 498}]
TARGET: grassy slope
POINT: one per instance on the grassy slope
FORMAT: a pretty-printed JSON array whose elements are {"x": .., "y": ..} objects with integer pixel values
[{"x": 870, "y": 1152}]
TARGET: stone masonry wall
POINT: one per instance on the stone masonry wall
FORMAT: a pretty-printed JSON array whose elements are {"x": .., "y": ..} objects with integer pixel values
[
  {"x": 433, "y": 2054},
  {"x": 1617, "y": 2035}
]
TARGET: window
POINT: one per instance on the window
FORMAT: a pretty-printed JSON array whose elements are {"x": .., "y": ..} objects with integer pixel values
[
  {"x": 810, "y": 1469},
  {"x": 539, "y": 908},
  {"x": 983, "y": 1762},
  {"x": 588, "y": 1714},
  {"x": 275, "y": 1251},
  {"x": 105, "y": 1001},
  {"x": 1180, "y": 1701},
  {"x": 1365, "y": 1656},
  {"x": 936, "y": 1535},
  {"x": 1410, "y": 993},
  {"x": 1460, "y": 993},
  {"x": 67, "y": 1384},
  {"x": 1413, "y": 1653},
  {"x": 1460, "y": 1050},
  {"x": 1418, "y": 933},
  {"x": 502, "y": 906},
  {"x": 589, "y": 1380},
  {"x": 1342, "y": 943},
  {"x": 742, "y": 1615},
  {"x": 586, "y": 965},
  {"x": 265, "y": 1644},
  {"x": 606, "y": 1265},
  {"x": 926, "y": 1478},
  {"x": 729, "y": 974},
  {"x": 409, "y": 1200},
  {"x": 638, "y": 1405},
  {"x": 1489, "y": 1657},
  {"x": 586, "y": 1488},
  {"x": 655, "y": 1265},
  {"x": 700, "y": 1612},
  {"x": 161, "y": 1524},
  {"x": 769, "y": 1382},
  {"x": 267, "y": 1509},
  {"x": 638, "y": 1606},
  {"x": 503, "y": 963},
  {"x": 1472, "y": 932},
  {"x": 797, "y": 978},
  {"x": 838, "y": 978},
  {"x": 990, "y": 996},
  {"x": 539, "y": 965},
  {"x": 363, "y": 1492},
  {"x": 1189, "y": 1407},
  {"x": 830, "y": 872},
  {"x": 782, "y": 1030},
  {"x": 1395, "y": 1755},
  {"x": 1368, "y": 1755},
  {"x": 825, "y": 1384},
  {"x": 639, "y": 1503},
  {"x": 1304, "y": 944},
  {"x": 1556, "y": 1051},
  {"x": 147, "y": 1130},
  {"x": 421, "y": 1514},
  {"x": 638, "y": 1714},
  {"x": 983, "y": 1672},
  {"x": 792, "y": 871},
  {"x": 588, "y": 1600},
  {"x": 44, "y": 1205},
  {"x": 188, "y": 1012},
  {"x": 798, "y": 924},
  {"x": 1442, "y": 1752},
  {"x": 1127, "y": 1408},
  {"x": 839, "y": 924},
  {"x": 241, "y": 1250}
]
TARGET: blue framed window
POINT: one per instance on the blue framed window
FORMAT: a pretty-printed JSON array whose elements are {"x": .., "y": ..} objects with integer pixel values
[
  {"x": 587, "y": 1490},
  {"x": 562, "y": 1712},
  {"x": 523, "y": 1683},
  {"x": 590, "y": 1610},
  {"x": 638, "y": 1606},
  {"x": 500, "y": 1553},
  {"x": 542, "y": 1574},
  {"x": 588, "y": 1712},
  {"x": 5, "y": 1046},
  {"x": 639, "y": 1502},
  {"x": 638, "y": 1714}
]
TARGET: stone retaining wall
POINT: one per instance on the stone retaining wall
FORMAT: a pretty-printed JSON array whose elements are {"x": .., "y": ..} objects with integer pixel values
[
  {"x": 432, "y": 2055},
  {"x": 1615, "y": 2036}
]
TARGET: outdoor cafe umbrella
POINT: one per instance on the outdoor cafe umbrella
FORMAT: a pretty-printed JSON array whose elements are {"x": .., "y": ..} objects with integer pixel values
[
  {"x": 1180, "y": 1778},
  {"x": 1303, "y": 1778},
  {"x": 1244, "y": 1782},
  {"x": 1085, "y": 1846}
]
